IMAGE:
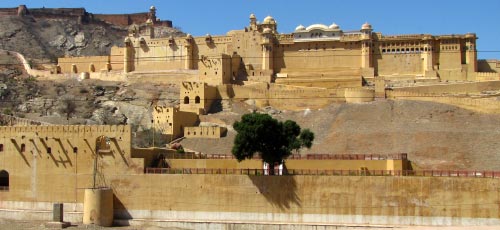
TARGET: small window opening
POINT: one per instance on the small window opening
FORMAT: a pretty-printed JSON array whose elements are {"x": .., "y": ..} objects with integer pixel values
[{"x": 4, "y": 180}]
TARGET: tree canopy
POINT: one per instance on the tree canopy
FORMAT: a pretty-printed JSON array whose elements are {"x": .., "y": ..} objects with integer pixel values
[{"x": 273, "y": 140}]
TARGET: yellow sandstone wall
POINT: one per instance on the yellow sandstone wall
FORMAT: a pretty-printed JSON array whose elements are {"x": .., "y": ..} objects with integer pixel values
[
  {"x": 399, "y": 64},
  {"x": 311, "y": 55},
  {"x": 197, "y": 97},
  {"x": 310, "y": 199},
  {"x": 59, "y": 159},
  {"x": 38, "y": 177},
  {"x": 172, "y": 121},
  {"x": 116, "y": 58},
  {"x": 204, "y": 132},
  {"x": 488, "y": 66},
  {"x": 467, "y": 87},
  {"x": 482, "y": 105},
  {"x": 291, "y": 164},
  {"x": 83, "y": 64}
]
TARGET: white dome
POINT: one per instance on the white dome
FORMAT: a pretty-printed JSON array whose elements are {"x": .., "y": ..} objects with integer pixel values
[
  {"x": 152, "y": 8},
  {"x": 334, "y": 26},
  {"x": 269, "y": 20},
  {"x": 252, "y": 16},
  {"x": 366, "y": 26},
  {"x": 317, "y": 26},
  {"x": 300, "y": 28}
]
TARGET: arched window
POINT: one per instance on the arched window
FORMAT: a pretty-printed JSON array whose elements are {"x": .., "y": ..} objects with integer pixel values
[
  {"x": 4, "y": 180},
  {"x": 75, "y": 149},
  {"x": 1, "y": 147},
  {"x": 23, "y": 148},
  {"x": 197, "y": 100},
  {"x": 186, "y": 100}
]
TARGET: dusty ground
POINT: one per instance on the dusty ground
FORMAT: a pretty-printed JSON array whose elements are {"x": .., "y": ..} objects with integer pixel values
[{"x": 15, "y": 225}]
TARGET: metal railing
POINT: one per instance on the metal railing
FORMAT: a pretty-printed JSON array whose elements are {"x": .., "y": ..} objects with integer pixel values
[
  {"x": 415, "y": 173},
  {"x": 312, "y": 156}
]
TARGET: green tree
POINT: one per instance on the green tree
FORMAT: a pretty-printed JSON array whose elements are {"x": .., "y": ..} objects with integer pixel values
[{"x": 273, "y": 140}]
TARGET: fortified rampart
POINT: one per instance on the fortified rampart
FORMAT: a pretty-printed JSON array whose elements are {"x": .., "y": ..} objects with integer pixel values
[
  {"x": 41, "y": 165},
  {"x": 483, "y": 105},
  {"x": 455, "y": 88},
  {"x": 214, "y": 132},
  {"x": 285, "y": 96},
  {"x": 82, "y": 16},
  {"x": 129, "y": 19}
]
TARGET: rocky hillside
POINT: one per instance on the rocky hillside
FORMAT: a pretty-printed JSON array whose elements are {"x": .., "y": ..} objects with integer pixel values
[{"x": 45, "y": 40}]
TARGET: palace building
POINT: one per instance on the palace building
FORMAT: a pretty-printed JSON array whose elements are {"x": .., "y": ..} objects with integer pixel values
[{"x": 317, "y": 55}]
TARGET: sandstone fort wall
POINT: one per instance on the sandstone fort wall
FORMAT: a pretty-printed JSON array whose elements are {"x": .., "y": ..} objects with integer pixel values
[
  {"x": 56, "y": 162},
  {"x": 204, "y": 132},
  {"x": 291, "y": 164},
  {"x": 311, "y": 199},
  {"x": 83, "y": 64},
  {"x": 462, "y": 88},
  {"x": 484, "y": 105}
]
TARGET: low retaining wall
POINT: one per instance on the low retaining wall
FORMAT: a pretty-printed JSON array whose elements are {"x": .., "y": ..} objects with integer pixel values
[{"x": 19, "y": 210}]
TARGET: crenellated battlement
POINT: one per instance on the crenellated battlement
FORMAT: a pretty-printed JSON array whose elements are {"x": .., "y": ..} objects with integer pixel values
[{"x": 63, "y": 130}]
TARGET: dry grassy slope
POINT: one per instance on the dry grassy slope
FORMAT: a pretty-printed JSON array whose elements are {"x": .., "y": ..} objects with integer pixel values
[{"x": 436, "y": 136}]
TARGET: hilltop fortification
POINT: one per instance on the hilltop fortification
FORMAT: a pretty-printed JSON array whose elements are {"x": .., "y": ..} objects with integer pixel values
[{"x": 82, "y": 16}]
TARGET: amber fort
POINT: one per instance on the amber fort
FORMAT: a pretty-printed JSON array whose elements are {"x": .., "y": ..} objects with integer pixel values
[{"x": 97, "y": 177}]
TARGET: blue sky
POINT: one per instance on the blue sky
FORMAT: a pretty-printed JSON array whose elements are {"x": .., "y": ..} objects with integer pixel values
[{"x": 387, "y": 16}]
